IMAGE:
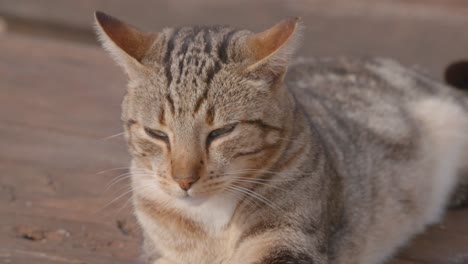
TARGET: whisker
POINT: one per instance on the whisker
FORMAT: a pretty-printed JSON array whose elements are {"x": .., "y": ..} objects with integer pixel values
[
  {"x": 267, "y": 172},
  {"x": 261, "y": 183},
  {"x": 250, "y": 203},
  {"x": 248, "y": 195},
  {"x": 130, "y": 198},
  {"x": 257, "y": 179},
  {"x": 258, "y": 196},
  {"x": 239, "y": 197},
  {"x": 113, "y": 136},
  {"x": 122, "y": 177},
  {"x": 117, "y": 179},
  {"x": 113, "y": 169},
  {"x": 292, "y": 140},
  {"x": 130, "y": 190}
]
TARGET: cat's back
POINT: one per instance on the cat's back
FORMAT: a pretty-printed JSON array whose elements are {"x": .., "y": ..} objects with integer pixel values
[
  {"x": 362, "y": 102},
  {"x": 373, "y": 115},
  {"x": 357, "y": 83}
]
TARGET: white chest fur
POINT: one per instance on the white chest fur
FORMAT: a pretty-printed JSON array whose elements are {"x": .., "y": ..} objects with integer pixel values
[{"x": 213, "y": 214}]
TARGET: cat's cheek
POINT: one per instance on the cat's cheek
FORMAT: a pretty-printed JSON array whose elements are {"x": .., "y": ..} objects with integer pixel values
[
  {"x": 273, "y": 137},
  {"x": 151, "y": 162},
  {"x": 217, "y": 159}
]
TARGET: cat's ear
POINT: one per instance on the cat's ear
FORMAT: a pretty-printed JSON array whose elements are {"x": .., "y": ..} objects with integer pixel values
[
  {"x": 271, "y": 50},
  {"x": 125, "y": 43}
]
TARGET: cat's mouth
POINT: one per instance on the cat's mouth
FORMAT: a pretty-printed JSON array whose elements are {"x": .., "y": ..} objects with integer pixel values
[
  {"x": 192, "y": 199},
  {"x": 193, "y": 196}
]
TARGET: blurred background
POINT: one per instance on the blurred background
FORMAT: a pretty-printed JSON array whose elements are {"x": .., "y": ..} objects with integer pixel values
[
  {"x": 430, "y": 33},
  {"x": 64, "y": 195}
]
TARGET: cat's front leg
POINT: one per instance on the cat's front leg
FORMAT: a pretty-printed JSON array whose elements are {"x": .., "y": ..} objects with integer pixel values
[
  {"x": 278, "y": 248},
  {"x": 289, "y": 256}
]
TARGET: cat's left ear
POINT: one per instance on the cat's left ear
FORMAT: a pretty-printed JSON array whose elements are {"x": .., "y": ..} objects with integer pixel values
[
  {"x": 125, "y": 43},
  {"x": 270, "y": 51}
]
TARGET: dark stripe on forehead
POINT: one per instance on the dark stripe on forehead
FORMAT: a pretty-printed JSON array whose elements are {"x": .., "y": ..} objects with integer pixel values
[
  {"x": 167, "y": 56},
  {"x": 209, "y": 77},
  {"x": 200, "y": 101},
  {"x": 223, "y": 46},
  {"x": 171, "y": 103},
  {"x": 162, "y": 118},
  {"x": 202, "y": 65},
  {"x": 207, "y": 40},
  {"x": 183, "y": 51},
  {"x": 210, "y": 115},
  {"x": 211, "y": 73}
]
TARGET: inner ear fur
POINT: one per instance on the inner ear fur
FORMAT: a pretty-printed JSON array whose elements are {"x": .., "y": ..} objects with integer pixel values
[
  {"x": 272, "y": 49},
  {"x": 125, "y": 43}
]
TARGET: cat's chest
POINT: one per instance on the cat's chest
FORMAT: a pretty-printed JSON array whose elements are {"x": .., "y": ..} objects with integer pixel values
[{"x": 190, "y": 233}]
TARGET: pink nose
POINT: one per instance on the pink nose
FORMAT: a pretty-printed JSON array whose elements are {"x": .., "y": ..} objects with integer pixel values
[{"x": 186, "y": 183}]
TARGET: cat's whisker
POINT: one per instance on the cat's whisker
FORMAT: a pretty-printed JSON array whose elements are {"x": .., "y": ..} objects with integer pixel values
[
  {"x": 230, "y": 192},
  {"x": 113, "y": 169},
  {"x": 116, "y": 179},
  {"x": 257, "y": 196},
  {"x": 115, "y": 200},
  {"x": 130, "y": 190},
  {"x": 122, "y": 177},
  {"x": 291, "y": 140},
  {"x": 253, "y": 195},
  {"x": 242, "y": 198},
  {"x": 261, "y": 183},
  {"x": 113, "y": 136},
  {"x": 267, "y": 172},
  {"x": 233, "y": 175},
  {"x": 130, "y": 198}
]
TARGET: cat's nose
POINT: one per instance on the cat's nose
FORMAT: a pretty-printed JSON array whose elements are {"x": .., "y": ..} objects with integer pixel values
[{"x": 186, "y": 183}]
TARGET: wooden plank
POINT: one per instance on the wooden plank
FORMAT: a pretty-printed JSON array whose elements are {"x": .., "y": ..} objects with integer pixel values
[
  {"x": 446, "y": 242},
  {"x": 58, "y": 101}
]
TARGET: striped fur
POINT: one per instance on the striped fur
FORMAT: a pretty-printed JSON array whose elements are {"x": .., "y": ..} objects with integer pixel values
[{"x": 335, "y": 161}]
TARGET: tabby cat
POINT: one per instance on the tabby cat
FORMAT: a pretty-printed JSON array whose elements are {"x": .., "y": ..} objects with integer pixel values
[{"x": 243, "y": 155}]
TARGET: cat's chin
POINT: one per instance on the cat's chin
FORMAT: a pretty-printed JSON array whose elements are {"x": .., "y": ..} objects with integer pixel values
[{"x": 193, "y": 200}]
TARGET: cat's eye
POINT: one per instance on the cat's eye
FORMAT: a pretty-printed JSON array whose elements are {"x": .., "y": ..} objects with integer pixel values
[
  {"x": 155, "y": 133},
  {"x": 221, "y": 132}
]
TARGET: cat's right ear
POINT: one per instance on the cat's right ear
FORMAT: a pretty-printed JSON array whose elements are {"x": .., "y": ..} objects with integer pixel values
[
  {"x": 270, "y": 51},
  {"x": 125, "y": 43}
]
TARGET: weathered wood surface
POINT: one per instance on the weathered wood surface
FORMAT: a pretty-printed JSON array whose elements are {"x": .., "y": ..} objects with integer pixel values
[{"x": 59, "y": 100}]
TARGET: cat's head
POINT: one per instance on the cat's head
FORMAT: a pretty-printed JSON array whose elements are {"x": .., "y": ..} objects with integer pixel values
[{"x": 205, "y": 106}]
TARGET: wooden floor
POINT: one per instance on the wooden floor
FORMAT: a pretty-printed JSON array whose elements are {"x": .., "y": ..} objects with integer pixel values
[{"x": 60, "y": 104}]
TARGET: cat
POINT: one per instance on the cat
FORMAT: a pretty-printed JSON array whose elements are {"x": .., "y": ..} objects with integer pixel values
[{"x": 241, "y": 154}]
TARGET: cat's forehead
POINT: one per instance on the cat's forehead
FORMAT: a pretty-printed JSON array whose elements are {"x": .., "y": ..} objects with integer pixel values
[
  {"x": 196, "y": 68},
  {"x": 191, "y": 55}
]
